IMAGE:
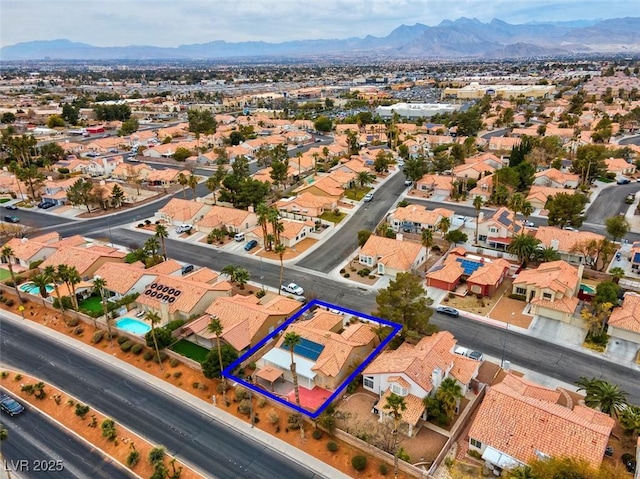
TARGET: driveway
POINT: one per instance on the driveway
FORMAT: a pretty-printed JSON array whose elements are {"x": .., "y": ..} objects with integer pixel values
[
  {"x": 555, "y": 331},
  {"x": 610, "y": 202},
  {"x": 621, "y": 349}
]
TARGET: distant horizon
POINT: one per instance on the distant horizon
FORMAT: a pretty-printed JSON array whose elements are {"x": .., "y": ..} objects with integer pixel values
[{"x": 162, "y": 23}]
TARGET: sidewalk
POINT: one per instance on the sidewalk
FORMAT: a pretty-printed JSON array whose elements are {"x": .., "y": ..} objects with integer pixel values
[{"x": 269, "y": 441}]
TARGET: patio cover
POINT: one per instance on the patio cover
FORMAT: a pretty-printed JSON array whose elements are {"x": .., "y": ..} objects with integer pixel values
[
  {"x": 500, "y": 459},
  {"x": 282, "y": 359},
  {"x": 270, "y": 374}
]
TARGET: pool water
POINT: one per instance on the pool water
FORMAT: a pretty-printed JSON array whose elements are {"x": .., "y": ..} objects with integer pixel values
[
  {"x": 33, "y": 289},
  {"x": 133, "y": 326},
  {"x": 587, "y": 289}
]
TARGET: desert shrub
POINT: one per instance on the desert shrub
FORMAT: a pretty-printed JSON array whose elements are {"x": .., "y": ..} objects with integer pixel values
[
  {"x": 147, "y": 222},
  {"x": 133, "y": 458},
  {"x": 327, "y": 421},
  {"x": 4, "y": 374},
  {"x": 404, "y": 455},
  {"x": 73, "y": 322},
  {"x": 126, "y": 346},
  {"x": 35, "y": 264},
  {"x": 175, "y": 324},
  {"x": 148, "y": 355},
  {"x": 241, "y": 394},
  {"x": 78, "y": 330},
  {"x": 435, "y": 248},
  {"x": 261, "y": 293},
  {"x": 222, "y": 388},
  {"x": 294, "y": 421},
  {"x": 383, "y": 469},
  {"x": 97, "y": 336},
  {"x": 317, "y": 434},
  {"x": 177, "y": 374},
  {"x": 519, "y": 297},
  {"x": 10, "y": 302},
  {"x": 82, "y": 410},
  {"x": 245, "y": 407},
  {"x": 332, "y": 446},
  {"x": 342, "y": 271},
  {"x": 626, "y": 457},
  {"x": 174, "y": 362},
  {"x": 274, "y": 418},
  {"x": 163, "y": 357},
  {"x": 346, "y": 275},
  {"x": 364, "y": 272},
  {"x": 262, "y": 402},
  {"x": 196, "y": 385},
  {"x": 156, "y": 455},
  {"x": 137, "y": 348},
  {"x": 359, "y": 462},
  {"x": 18, "y": 377},
  {"x": 122, "y": 339},
  {"x": 108, "y": 428}
]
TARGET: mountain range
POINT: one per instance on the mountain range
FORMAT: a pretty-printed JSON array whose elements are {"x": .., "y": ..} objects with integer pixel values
[{"x": 463, "y": 38}]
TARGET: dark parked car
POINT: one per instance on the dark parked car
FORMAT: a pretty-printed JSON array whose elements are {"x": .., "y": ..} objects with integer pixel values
[
  {"x": 45, "y": 205},
  {"x": 623, "y": 181},
  {"x": 11, "y": 207},
  {"x": 448, "y": 311},
  {"x": 250, "y": 245},
  {"x": 12, "y": 219},
  {"x": 10, "y": 405}
]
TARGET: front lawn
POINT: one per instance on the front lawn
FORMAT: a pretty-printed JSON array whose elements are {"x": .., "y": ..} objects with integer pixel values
[
  {"x": 190, "y": 350},
  {"x": 5, "y": 200},
  {"x": 4, "y": 274},
  {"x": 356, "y": 194},
  {"x": 330, "y": 216},
  {"x": 92, "y": 305}
]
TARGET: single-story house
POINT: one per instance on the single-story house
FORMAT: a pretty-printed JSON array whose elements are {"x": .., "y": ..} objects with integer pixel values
[
  {"x": 624, "y": 322},
  {"x": 388, "y": 256}
]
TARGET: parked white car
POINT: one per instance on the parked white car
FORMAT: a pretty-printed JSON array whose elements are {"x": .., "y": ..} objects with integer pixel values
[
  {"x": 292, "y": 288},
  {"x": 183, "y": 228}
]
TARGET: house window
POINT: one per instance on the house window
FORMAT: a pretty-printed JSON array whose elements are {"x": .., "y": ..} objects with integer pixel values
[
  {"x": 521, "y": 291},
  {"x": 368, "y": 382},
  {"x": 493, "y": 230},
  {"x": 482, "y": 238},
  {"x": 546, "y": 296},
  {"x": 400, "y": 391},
  {"x": 476, "y": 443}
]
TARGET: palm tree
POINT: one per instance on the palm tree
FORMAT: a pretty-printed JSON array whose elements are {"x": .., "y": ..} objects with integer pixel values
[
  {"x": 290, "y": 341},
  {"x": 7, "y": 254},
  {"x": 183, "y": 181},
  {"x": 273, "y": 217},
  {"x": 73, "y": 278},
  {"x": 477, "y": 204},
  {"x": 524, "y": 247},
  {"x": 213, "y": 182},
  {"x": 230, "y": 270},
  {"x": 54, "y": 277},
  {"x": 242, "y": 277},
  {"x": 364, "y": 178},
  {"x": 617, "y": 273},
  {"x": 41, "y": 281},
  {"x": 280, "y": 249},
  {"x": 602, "y": 395},
  {"x": 192, "y": 181},
  {"x": 262, "y": 212},
  {"x": 523, "y": 472},
  {"x": 443, "y": 225},
  {"x": 162, "y": 233},
  {"x": 99, "y": 286},
  {"x": 526, "y": 209},
  {"x": 395, "y": 405},
  {"x": 630, "y": 420},
  {"x": 152, "y": 245},
  {"x": 154, "y": 318},
  {"x": 547, "y": 254},
  {"x": 427, "y": 242},
  {"x": 515, "y": 204},
  {"x": 215, "y": 327},
  {"x": 449, "y": 394}
]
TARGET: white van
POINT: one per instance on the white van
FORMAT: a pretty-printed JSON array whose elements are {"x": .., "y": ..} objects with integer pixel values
[{"x": 239, "y": 237}]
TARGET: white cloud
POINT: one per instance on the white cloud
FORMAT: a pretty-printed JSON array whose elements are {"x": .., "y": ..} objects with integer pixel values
[{"x": 176, "y": 22}]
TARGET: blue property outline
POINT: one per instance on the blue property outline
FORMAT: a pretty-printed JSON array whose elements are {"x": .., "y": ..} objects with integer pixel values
[{"x": 227, "y": 373}]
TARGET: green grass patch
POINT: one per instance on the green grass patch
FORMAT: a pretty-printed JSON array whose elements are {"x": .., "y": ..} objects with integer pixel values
[
  {"x": 5, "y": 200},
  {"x": 4, "y": 274},
  {"x": 329, "y": 216},
  {"x": 356, "y": 194},
  {"x": 605, "y": 180},
  {"x": 91, "y": 305},
  {"x": 190, "y": 350}
]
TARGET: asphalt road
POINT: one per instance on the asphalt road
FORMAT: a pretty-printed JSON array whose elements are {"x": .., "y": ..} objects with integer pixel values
[
  {"x": 634, "y": 140},
  {"x": 37, "y": 448},
  {"x": 214, "y": 448},
  {"x": 335, "y": 251},
  {"x": 610, "y": 202}
]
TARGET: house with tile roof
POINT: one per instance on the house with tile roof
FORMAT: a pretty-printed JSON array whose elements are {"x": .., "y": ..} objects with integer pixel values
[
  {"x": 503, "y": 143},
  {"x": 129, "y": 171},
  {"x": 473, "y": 170},
  {"x": 332, "y": 186},
  {"x": 556, "y": 179},
  {"x": 539, "y": 195},
  {"x": 566, "y": 242},
  {"x": 55, "y": 191},
  {"x": 483, "y": 189},
  {"x": 482, "y": 275},
  {"x": 552, "y": 289},
  {"x": 293, "y": 233},
  {"x": 620, "y": 167},
  {"x": 123, "y": 279},
  {"x": 223, "y": 217},
  {"x": 174, "y": 297},
  {"x": 178, "y": 211},
  {"x": 245, "y": 320},
  {"x": 167, "y": 150},
  {"x": 415, "y": 218},
  {"x": 87, "y": 259},
  {"x": 624, "y": 322},
  {"x": 519, "y": 422},
  {"x": 330, "y": 349},
  {"x": 166, "y": 177},
  {"x": 388, "y": 256},
  {"x": 416, "y": 371},
  {"x": 305, "y": 205},
  {"x": 496, "y": 229},
  {"x": 437, "y": 185},
  {"x": 30, "y": 250}
]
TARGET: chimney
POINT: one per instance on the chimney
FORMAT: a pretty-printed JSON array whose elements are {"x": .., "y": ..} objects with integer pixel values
[
  {"x": 436, "y": 378},
  {"x": 399, "y": 236},
  {"x": 554, "y": 244},
  {"x": 250, "y": 209},
  {"x": 102, "y": 182}
]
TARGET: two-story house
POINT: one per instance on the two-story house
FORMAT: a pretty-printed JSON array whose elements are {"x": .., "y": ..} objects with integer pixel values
[
  {"x": 624, "y": 322},
  {"x": 435, "y": 185},
  {"x": 496, "y": 229},
  {"x": 178, "y": 211},
  {"x": 568, "y": 243},
  {"x": 552, "y": 289},
  {"x": 415, "y": 218},
  {"x": 554, "y": 178}
]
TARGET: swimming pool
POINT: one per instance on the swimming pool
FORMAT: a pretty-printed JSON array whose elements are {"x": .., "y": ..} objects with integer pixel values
[
  {"x": 31, "y": 288},
  {"x": 133, "y": 326},
  {"x": 587, "y": 289}
]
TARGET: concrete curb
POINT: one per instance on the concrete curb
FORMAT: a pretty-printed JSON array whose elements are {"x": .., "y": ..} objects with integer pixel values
[
  {"x": 269, "y": 441},
  {"x": 78, "y": 436}
]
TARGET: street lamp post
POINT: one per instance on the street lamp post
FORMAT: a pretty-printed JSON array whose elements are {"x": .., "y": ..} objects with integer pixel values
[{"x": 504, "y": 341}]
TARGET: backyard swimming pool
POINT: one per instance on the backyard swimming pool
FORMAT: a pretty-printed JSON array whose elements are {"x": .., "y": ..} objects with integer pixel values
[
  {"x": 31, "y": 288},
  {"x": 587, "y": 288},
  {"x": 133, "y": 326}
]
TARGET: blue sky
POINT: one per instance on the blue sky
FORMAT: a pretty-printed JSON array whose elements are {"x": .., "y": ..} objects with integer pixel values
[{"x": 176, "y": 22}]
